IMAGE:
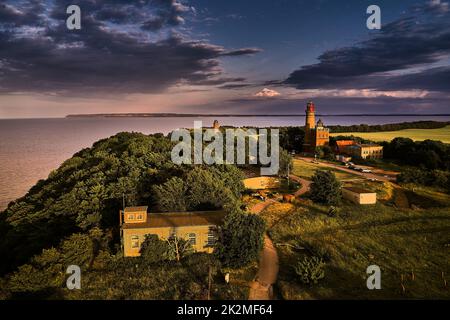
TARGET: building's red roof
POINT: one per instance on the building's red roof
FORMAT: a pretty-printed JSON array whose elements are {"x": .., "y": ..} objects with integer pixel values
[{"x": 341, "y": 143}]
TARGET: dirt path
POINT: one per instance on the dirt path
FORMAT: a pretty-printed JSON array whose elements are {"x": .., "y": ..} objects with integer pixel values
[
  {"x": 261, "y": 287},
  {"x": 305, "y": 185}
]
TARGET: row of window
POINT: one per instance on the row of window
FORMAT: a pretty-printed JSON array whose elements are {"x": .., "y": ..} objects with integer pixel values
[
  {"x": 139, "y": 216},
  {"x": 373, "y": 152},
  {"x": 191, "y": 237}
]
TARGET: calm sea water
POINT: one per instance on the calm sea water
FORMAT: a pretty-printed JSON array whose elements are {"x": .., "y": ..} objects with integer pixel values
[{"x": 31, "y": 148}]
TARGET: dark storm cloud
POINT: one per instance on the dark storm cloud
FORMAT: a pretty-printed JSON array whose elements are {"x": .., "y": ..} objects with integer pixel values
[
  {"x": 435, "y": 79},
  {"x": 240, "y": 52},
  {"x": 27, "y": 15},
  {"x": 420, "y": 39},
  {"x": 111, "y": 52},
  {"x": 237, "y": 85},
  {"x": 218, "y": 81},
  {"x": 331, "y": 105}
]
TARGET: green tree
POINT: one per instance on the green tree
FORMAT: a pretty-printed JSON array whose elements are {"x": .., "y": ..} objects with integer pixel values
[
  {"x": 179, "y": 248},
  {"x": 206, "y": 191},
  {"x": 241, "y": 238},
  {"x": 286, "y": 164},
  {"x": 154, "y": 250},
  {"x": 325, "y": 188},
  {"x": 171, "y": 195}
]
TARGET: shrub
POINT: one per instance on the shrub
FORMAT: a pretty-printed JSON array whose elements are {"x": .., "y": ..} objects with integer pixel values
[
  {"x": 325, "y": 188},
  {"x": 435, "y": 178},
  {"x": 241, "y": 238},
  {"x": 154, "y": 250},
  {"x": 310, "y": 270}
]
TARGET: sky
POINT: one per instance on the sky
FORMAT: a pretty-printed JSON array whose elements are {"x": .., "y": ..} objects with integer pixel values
[{"x": 223, "y": 56}]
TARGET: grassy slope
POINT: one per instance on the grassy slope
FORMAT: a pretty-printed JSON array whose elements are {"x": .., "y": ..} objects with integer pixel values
[
  {"x": 401, "y": 242},
  {"x": 442, "y": 134},
  {"x": 306, "y": 170}
]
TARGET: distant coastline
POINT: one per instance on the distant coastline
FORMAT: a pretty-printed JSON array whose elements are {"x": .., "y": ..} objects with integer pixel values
[{"x": 187, "y": 115}]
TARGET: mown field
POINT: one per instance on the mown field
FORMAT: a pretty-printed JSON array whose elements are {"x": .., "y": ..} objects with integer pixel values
[
  {"x": 307, "y": 169},
  {"x": 412, "y": 248},
  {"x": 442, "y": 134}
]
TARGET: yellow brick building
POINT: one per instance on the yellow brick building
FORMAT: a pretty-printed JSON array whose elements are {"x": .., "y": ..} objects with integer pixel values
[
  {"x": 199, "y": 228},
  {"x": 364, "y": 151}
]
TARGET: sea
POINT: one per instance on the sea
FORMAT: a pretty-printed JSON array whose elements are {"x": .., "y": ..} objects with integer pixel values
[{"x": 31, "y": 148}]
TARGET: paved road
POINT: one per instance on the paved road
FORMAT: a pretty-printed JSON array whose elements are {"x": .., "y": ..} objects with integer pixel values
[
  {"x": 382, "y": 177},
  {"x": 400, "y": 199},
  {"x": 261, "y": 287}
]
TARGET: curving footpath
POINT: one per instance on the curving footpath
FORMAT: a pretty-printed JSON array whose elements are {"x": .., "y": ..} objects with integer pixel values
[
  {"x": 261, "y": 287},
  {"x": 305, "y": 185}
]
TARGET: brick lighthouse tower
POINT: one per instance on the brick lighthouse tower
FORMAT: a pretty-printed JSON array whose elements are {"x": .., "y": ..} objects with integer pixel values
[
  {"x": 316, "y": 135},
  {"x": 310, "y": 124}
]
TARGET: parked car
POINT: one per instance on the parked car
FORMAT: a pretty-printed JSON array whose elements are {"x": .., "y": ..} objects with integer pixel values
[{"x": 366, "y": 170}]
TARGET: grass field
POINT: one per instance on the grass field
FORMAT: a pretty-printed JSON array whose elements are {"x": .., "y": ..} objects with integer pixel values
[
  {"x": 412, "y": 248},
  {"x": 442, "y": 134},
  {"x": 307, "y": 169}
]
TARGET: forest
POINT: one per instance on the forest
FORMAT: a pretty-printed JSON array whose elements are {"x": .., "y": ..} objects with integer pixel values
[{"x": 72, "y": 217}]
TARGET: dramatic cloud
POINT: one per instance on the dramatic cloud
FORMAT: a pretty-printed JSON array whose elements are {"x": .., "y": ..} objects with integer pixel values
[
  {"x": 122, "y": 47},
  {"x": 388, "y": 60},
  {"x": 267, "y": 93},
  {"x": 242, "y": 51}
]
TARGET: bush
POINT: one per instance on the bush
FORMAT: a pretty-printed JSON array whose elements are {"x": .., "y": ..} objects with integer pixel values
[
  {"x": 164, "y": 195},
  {"x": 325, "y": 188},
  {"x": 154, "y": 250},
  {"x": 310, "y": 270},
  {"x": 241, "y": 238},
  {"x": 435, "y": 178},
  {"x": 426, "y": 154}
]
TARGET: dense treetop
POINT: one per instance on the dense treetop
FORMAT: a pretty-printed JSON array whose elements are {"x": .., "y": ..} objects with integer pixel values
[{"x": 87, "y": 191}]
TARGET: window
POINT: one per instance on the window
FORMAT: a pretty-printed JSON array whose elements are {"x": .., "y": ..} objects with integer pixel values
[
  {"x": 173, "y": 234},
  {"x": 192, "y": 238},
  {"x": 139, "y": 217},
  {"x": 211, "y": 237},
  {"x": 131, "y": 217},
  {"x": 134, "y": 241}
]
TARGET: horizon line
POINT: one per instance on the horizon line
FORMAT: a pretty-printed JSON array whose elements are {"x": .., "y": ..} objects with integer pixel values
[{"x": 186, "y": 115}]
